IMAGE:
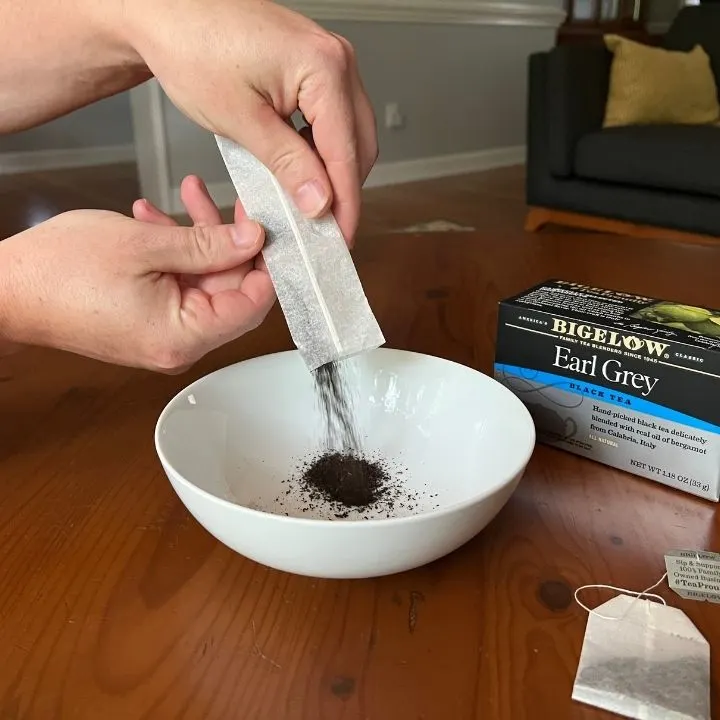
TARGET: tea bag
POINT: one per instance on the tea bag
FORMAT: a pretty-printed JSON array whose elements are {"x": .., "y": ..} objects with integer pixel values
[
  {"x": 315, "y": 279},
  {"x": 643, "y": 659}
]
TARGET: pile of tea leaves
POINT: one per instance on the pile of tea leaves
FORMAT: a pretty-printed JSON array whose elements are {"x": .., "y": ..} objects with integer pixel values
[
  {"x": 342, "y": 473},
  {"x": 346, "y": 479},
  {"x": 341, "y": 479},
  {"x": 339, "y": 485}
]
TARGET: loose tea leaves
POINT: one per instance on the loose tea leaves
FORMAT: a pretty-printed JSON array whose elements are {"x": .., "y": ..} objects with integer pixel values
[
  {"x": 341, "y": 431},
  {"x": 347, "y": 479},
  {"x": 307, "y": 495},
  {"x": 342, "y": 475},
  {"x": 342, "y": 480}
]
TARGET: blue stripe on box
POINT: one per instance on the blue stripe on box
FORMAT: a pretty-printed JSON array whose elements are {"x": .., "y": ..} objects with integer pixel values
[{"x": 604, "y": 394}]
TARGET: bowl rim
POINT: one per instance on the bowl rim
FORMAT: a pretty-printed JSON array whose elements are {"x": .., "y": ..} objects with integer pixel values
[{"x": 517, "y": 468}]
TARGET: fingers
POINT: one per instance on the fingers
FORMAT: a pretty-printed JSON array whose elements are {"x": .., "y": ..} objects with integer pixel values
[
  {"x": 259, "y": 288},
  {"x": 333, "y": 131},
  {"x": 200, "y": 249},
  {"x": 240, "y": 213},
  {"x": 214, "y": 283},
  {"x": 368, "y": 156},
  {"x": 306, "y": 134},
  {"x": 233, "y": 279},
  {"x": 252, "y": 303},
  {"x": 145, "y": 211},
  {"x": 298, "y": 169},
  {"x": 202, "y": 211},
  {"x": 228, "y": 314},
  {"x": 367, "y": 132},
  {"x": 197, "y": 201},
  {"x": 329, "y": 106},
  {"x": 365, "y": 120}
]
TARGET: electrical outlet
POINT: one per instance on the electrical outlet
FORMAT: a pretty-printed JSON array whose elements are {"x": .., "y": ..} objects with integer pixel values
[{"x": 393, "y": 117}]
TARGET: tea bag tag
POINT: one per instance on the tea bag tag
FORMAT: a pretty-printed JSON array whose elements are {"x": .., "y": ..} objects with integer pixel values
[
  {"x": 646, "y": 660},
  {"x": 694, "y": 574}
]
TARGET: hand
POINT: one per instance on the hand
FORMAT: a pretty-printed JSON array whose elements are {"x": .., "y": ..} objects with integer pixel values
[
  {"x": 241, "y": 68},
  {"x": 203, "y": 212},
  {"x": 143, "y": 293}
]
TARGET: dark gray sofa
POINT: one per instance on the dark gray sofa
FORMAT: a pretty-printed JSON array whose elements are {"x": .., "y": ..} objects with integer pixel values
[{"x": 664, "y": 176}]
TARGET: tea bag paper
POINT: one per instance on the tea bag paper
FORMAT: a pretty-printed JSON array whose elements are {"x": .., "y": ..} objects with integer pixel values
[
  {"x": 315, "y": 279},
  {"x": 648, "y": 661}
]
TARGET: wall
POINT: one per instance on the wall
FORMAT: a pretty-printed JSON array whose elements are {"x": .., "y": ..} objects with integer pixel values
[
  {"x": 460, "y": 84},
  {"x": 100, "y": 133},
  {"x": 460, "y": 89},
  {"x": 661, "y": 13},
  {"x": 457, "y": 68}
]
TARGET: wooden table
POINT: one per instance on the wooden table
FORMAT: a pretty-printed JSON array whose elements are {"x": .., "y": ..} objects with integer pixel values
[{"x": 116, "y": 605}]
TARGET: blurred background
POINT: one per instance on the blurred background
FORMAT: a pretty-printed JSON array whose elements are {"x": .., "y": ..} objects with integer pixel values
[{"x": 447, "y": 78}]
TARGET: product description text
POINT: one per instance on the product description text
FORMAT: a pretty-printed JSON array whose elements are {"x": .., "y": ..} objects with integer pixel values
[
  {"x": 649, "y": 433},
  {"x": 694, "y": 575}
]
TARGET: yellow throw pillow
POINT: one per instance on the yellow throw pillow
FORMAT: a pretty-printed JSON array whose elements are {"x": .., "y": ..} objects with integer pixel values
[{"x": 650, "y": 85}]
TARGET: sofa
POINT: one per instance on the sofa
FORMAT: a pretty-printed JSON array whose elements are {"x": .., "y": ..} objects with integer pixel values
[{"x": 622, "y": 179}]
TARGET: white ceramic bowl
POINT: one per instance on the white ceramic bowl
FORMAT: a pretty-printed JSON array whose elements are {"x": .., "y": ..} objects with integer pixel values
[{"x": 458, "y": 442}]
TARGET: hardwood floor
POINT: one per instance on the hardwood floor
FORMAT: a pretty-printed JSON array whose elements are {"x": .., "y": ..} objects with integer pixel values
[
  {"x": 26, "y": 200},
  {"x": 491, "y": 199}
]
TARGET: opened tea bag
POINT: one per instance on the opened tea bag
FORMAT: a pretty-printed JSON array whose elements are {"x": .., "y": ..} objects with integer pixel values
[
  {"x": 310, "y": 265},
  {"x": 643, "y": 659}
]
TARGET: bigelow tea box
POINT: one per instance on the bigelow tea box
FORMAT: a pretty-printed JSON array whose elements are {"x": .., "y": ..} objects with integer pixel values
[{"x": 632, "y": 382}]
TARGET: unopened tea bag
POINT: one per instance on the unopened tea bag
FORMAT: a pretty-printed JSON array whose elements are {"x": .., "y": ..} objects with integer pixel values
[
  {"x": 310, "y": 265},
  {"x": 644, "y": 659}
]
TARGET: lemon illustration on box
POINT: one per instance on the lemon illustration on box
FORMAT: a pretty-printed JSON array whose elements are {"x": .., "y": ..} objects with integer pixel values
[{"x": 683, "y": 317}]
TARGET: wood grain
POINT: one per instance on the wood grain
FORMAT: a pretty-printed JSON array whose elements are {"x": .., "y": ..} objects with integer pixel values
[
  {"x": 30, "y": 198},
  {"x": 116, "y": 604}
]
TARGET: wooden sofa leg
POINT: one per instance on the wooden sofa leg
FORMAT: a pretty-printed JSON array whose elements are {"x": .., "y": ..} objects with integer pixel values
[{"x": 536, "y": 218}]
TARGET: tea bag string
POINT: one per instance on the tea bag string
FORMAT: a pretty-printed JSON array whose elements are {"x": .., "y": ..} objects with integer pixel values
[{"x": 645, "y": 593}]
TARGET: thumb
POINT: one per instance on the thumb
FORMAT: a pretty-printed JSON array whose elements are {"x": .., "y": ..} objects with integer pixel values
[
  {"x": 201, "y": 249},
  {"x": 290, "y": 158}
]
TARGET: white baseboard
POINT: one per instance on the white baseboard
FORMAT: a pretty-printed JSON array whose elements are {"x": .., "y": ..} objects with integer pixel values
[
  {"x": 396, "y": 173},
  {"x": 404, "y": 171},
  {"x": 13, "y": 163}
]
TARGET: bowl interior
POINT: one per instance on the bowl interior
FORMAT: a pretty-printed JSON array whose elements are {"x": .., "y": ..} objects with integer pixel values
[{"x": 445, "y": 433}]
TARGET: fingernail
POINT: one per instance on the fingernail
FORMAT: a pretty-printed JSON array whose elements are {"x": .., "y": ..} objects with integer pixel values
[
  {"x": 245, "y": 233},
  {"x": 311, "y": 198}
]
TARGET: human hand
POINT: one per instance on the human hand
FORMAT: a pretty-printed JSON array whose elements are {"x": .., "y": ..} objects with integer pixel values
[
  {"x": 144, "y": 293},
  {"x": 243, "y": 68},
  {"x": 203, "y": 212}
]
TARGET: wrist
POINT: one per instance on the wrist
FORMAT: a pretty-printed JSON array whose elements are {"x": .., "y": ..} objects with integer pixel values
[
  {"x": 112, "y": 22},
  {"x": 8, "y": 342},
  {"x": 125, "y": 27}
]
